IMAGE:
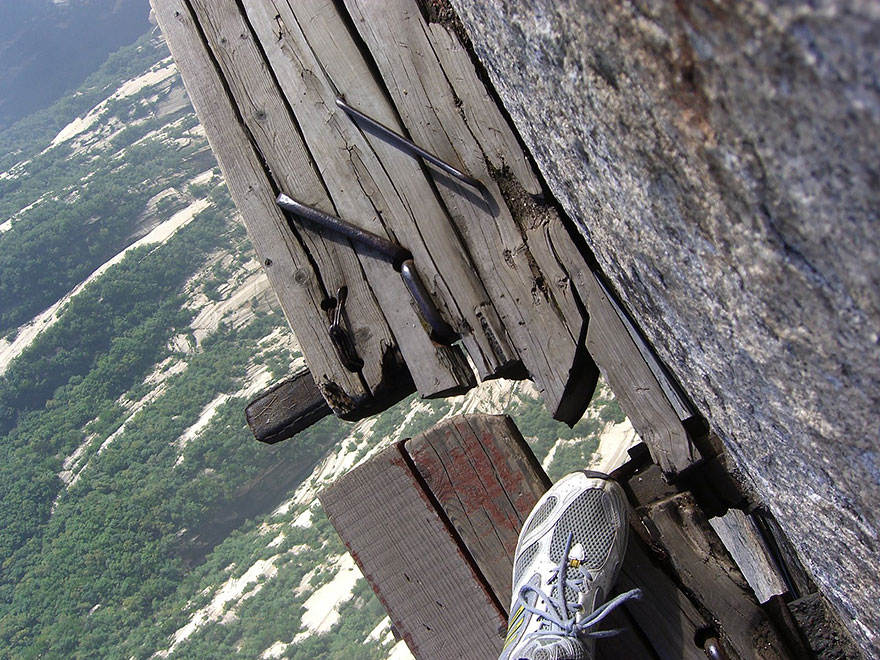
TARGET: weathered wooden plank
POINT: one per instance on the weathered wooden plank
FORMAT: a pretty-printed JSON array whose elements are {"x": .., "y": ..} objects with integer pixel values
[
  {"x": 486, "y": 480},
  {"x": 630, "y": 644},
  {"x": 624, "y": 367},
  {"x": 434, "y": 596},
  {"x": 664, "y": 614},
  {"x": 671, "y": 390},
  {"x": 438, "y": 110},
  {"x": 299, "y": 287},
  {"x": 744, "y": 543},
  {"x": 648, "y": 486},
  {"x": 539, "y": 216},
  {"x": 315, "y": 58},
  {"x": 488, "y": 125},
  {"x": 436, "y": 369},
  {"x": 704, "y": 568},
  {"x": 796, "y": 577},
  {"x": 286, "y": 408}
]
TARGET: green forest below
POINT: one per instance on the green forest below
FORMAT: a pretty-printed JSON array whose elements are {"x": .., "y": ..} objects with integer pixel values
[
  {"x": 106, "y": 562},
  {"x": 56, "y": 244}
]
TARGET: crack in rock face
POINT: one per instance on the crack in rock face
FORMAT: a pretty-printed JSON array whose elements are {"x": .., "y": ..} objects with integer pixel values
[{"x": 720, "y": 160}]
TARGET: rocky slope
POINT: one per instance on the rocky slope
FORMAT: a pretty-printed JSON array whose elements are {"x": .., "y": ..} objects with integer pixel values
[{"x": 48, "y": 47}]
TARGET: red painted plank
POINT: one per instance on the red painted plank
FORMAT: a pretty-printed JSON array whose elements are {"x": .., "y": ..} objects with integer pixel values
[
  {"x": 434, "y": 595},
  {"x": 487, "y": 480}
]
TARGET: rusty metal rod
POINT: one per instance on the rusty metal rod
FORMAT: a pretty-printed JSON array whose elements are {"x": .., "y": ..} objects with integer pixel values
[
  {"x": 441, "y": 331},
  {"x": 401, "y": 259},
  {"x": 403, "y": 143},
  {"x": 394, "y": 252}
]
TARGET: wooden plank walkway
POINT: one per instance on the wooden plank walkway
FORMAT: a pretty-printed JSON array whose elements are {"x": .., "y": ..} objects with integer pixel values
[
  {"x": 458, "y": 493},
  {"x": 497, "y": 261},
  {"x": 291, "y": 264},
  {"x": 514, "y": 283}
]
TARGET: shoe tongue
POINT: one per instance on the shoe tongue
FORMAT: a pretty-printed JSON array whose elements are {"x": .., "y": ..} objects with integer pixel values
[{"x": 553, "y": 647}]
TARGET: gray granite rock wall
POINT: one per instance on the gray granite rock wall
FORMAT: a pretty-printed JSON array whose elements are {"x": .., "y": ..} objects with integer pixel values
[{"x": 721, "y": 159}]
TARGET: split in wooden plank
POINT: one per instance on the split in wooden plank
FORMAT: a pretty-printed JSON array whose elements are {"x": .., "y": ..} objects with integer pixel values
[
  {"x": 278, "y": 138},
  {"x": 315, "y": 58},
  {"x": 439, "y": 108},
  {"x": 301, "y": 289},
  {"x": 484, "y": 118},
  {"x": 435, "y": 597},
  {"x": 704, "y": 568},
  {"x": 538, "y": 216},
  {"x": 624, "y": 368},
  {"x": 487, "y": 480}
]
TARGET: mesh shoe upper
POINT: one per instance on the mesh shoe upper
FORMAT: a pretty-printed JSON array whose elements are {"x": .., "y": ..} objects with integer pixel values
[{"x": 567, "y": 559}]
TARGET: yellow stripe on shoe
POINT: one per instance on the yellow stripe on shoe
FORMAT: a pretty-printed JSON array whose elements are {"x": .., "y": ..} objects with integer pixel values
[{"x": 515, "y": 624}]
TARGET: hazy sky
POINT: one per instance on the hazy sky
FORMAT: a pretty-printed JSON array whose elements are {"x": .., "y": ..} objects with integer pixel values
[{"x": 48, "y": 48}]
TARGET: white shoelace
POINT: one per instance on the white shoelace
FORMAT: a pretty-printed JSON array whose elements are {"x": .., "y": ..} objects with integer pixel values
[{"x": 561, "y": 615}]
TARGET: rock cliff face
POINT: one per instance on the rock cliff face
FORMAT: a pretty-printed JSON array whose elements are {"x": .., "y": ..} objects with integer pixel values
[{"x": 721, "y": 160}]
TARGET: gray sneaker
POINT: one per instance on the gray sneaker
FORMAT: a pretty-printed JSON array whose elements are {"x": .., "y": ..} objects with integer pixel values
[{"x": 567, "y": 559}]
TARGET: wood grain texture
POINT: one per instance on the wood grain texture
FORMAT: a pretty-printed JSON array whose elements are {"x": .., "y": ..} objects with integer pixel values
[
  {"x": 316, "y": 59},
  {"x": 671, "y": 390},
  {"x": 279, "y": 139},
  {"x": 624, "y": 368},
  {"x": 705, "y": 569},
  {"x": 441, "y": 110},
  {"x": 286, "y": 408},
  {"x": 740, "y": 536},
  {"x": 486, "y": 479},
  {"x": 630, "y": 644},
  {"x": 437, "y": 601},
  {"x": 664, "y": 614},
  {"x": 299, "y": 287}
]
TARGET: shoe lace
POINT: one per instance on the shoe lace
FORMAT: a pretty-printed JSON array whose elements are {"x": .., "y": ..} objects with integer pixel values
[{"x": 560, "y": 615}]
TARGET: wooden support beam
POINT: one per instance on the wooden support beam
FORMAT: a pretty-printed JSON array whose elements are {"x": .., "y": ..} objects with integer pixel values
[
  {"x": 705, "y": 569},
  {"x": 286, "y": 408},
  {"x": 486, "y": 480},
  {"x": 402, "y": 543}
]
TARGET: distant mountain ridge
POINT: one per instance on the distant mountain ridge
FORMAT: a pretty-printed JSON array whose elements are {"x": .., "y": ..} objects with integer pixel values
[{"x": 49, "y": 47}]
